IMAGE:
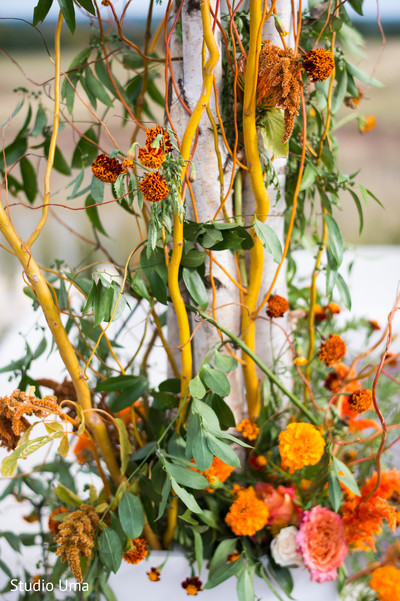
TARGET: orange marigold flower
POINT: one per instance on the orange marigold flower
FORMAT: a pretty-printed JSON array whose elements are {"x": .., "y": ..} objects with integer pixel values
[
  {"x": 217, "y": 473},
  {"x": 192, "y": 585},
  {"x": 151, "y": 158},
  {"x": 360, "y": 401},
  {"x": 247, "y": 514},
  {"x": 385, "y": 581},
  {"x": 332, "y": 308},
  {"x": 319, "y": 64},
  {"x": 154, "y": 575},
  {"x": 106, "y": 169},
  {"x": 300, "y": 444},
  {"x": 319, "y": 313},
  {"x": 127, "y": 164},
  {"x": 333, "y": 350},
  {"x": 154, "y": 187},
  {"x": 249, "y": 429},
  {"x": 365, "y": 124},
  {"x": 151, "y": 135},
  {"x": 373, "y": 324},
  {"x": 362, "y": 521},
  {"x": 277, "y": 306},
  {"x": 258, "y": 462},
  {"x": 138, "y": 551},
  {"x": 54, "y": 525},
  {"x": 233, "y": 557}
]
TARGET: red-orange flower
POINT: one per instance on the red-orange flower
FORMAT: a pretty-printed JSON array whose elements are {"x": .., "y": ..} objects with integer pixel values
[
  {"x": 360, "y": 401},
  {"x": 82, "y": 449},
  {"x": 319, "y": 64},
  {"x": 54, "y": 525},
  {"x": 151, "y": 135},
  {"x": 249, "y": 429},
  {"x": 192, "y": 585},
  {"x": 385, "y": 581},
  {"x": 247, "y": 514},
  {"x": 107, "y": 169},
  {"x": 333, "y": 350},
  {"x": 277, "y": 306},
  {"x": 151, "y": 158},
  {"x": 154, "y": 187},
  {"x": 217, "y": 473},
  {"x": 389, "y": 484},
  {"x": 154, "y": 575},
  {"x": 138, "y": 551},
  {"x": 362, "y": 521}
]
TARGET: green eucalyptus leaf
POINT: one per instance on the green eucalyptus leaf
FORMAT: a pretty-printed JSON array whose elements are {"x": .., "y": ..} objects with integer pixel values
[
  {"x": 40, "y": 11},
  {"x": 269, "y": 239},
  {"x": 215, "y": 380},
  {"x": 131, "y": 515},
  {"x": 110, "y": 549},
  {"x": 196, "y": 288}
]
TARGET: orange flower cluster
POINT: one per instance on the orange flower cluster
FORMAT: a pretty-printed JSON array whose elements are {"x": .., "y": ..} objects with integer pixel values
[
  {"x": 319, "y": 64},
  {"x": 218, "y": 472},
  {"x": 301, "y": 444},
  {"x": 385, "y": 581},
  {"x": 152, "y": 158},
  {"x": 151, "y": 135},
  {"x": 138, "y": 551},
  {"x": 279, "y": 83},
  {"x": 360, "y": 401},
  {"x": 192, "y": 585},
  {"x": 326, "y": 312},
  {"x": 247, "y": 514},
  {"x": 389, "y": 485},
  {"x": 154, "y": 187},
  {"x": 54, "y": 525},
  {"x": 106, "y": 169},
  {"x": 249, "y": 429},
  {"x": 363, "y": 520},
  {"x": 333, "y": 350},
  {"x": 277, "y": 306},
  {"x": 82, "y": 449}
]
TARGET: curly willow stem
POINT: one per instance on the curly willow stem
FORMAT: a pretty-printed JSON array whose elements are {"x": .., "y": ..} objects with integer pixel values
[
  {"x": 177, "y": 248},
  {"x": 261, "y": 202}
]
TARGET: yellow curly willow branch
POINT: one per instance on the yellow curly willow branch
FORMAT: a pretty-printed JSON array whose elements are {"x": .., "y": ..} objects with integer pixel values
[{"x": 261, "y": 202}]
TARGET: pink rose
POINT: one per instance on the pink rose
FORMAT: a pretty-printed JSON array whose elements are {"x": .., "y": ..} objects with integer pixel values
[
  {"x": 280, "y": 502},
  {"x": 322, "y": 543}
]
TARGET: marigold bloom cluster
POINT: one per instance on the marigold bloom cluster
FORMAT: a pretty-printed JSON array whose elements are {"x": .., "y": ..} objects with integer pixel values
[
  {"x": 192, "y": 585},
  {"x": 218, "y": 472},
  {"x": 151, "y": 156},
  {"x": 247, "y": 514},
  {"x": 138, "y": 551},
  {"x": 360, "y": 401},
  {"x": 279, "y": 83},
  {"x": 277, "y": 306},
  {"x": 154, "y": 187},
  {"x": 319, "y": 64},
  {"x": 152, "y": 133},
  {"x": 76, "y": 536},
  {"x": 301, "y": 444},
  {"x": 333, "y": 350},
  {"x": 322, "y": 543},
  {"x": 385, "y": 581},
  {"x": 363, "y": 521},
  {"x": 107, "y": 169},
  {"x": 248, "y": 429}
]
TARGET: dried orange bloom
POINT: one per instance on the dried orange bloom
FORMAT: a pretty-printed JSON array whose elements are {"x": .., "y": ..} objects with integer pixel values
[
  {"x": 277, "y": 306},
  {"x": 151, "y": 135},
  {"x": 151, "y": 158},
  {"x": 192, "y": 585},
  {"x": 76, "y": 537},
  {"x": 333, "y": 350},
  {"x": 300, "y": 444},
  {"x": 54, "y": 526},
  {"x": 13, "y": 410},
  {"x": 106, "y": 169},
  {"x": 218, "y": 472},
  {"x": 362, "y": 521},
  {"x": 138, "y": 551},
  {"x": 153, "y": 187},
  {"x": 279, "y": 83},
  {"x": 385, "y": 581},
  {"x": 154, "y": 575},
  {"x": 366, "y": 123},
  {"x": 319, "y": 64},
  {"x": 247, "y": 514},
  {"x": 360, "y": 401},
  {"x": 249, "y": 429}
]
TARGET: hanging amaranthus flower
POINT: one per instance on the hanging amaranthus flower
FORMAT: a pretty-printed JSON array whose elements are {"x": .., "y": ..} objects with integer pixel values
[
  {"x": 154, "y": 187},
  {"x": 76, "y": 537},
  {"x": 279, "y": 83},
  {"x": 138, "y": 551},
  {"x": 106, "y": 169},
  {"x": 13, "y": 410},
  {"x": 333, "y": 350},
  {"x": 277, "y": 306},
  {"x": 319, "y": 64}
]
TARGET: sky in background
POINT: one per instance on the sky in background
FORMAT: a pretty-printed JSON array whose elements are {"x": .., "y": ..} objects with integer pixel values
[{"x": 389, "y": 9}]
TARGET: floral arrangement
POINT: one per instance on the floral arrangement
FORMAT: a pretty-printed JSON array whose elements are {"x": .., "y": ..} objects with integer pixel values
[{"x": 266, "y": 448}]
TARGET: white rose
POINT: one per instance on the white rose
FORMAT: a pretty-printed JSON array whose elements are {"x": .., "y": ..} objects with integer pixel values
[{"x": 284, "y": 548}]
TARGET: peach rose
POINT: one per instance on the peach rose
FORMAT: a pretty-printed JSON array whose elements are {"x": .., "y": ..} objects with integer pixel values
[
  {"x": 280, "y": 502},
  {"x": 322, "y": 543}
]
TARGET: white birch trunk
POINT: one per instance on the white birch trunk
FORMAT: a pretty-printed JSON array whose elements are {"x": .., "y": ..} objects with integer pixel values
[{"x": 206, "y": 188}]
